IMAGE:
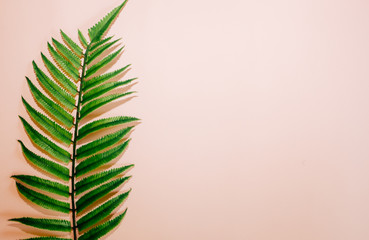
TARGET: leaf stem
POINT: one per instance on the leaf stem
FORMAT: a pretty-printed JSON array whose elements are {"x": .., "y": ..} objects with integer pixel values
[{"x": 73, "y": 177}]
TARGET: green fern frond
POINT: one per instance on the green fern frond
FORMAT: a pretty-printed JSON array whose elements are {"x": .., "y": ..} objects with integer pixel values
[
  {"x": 68, "y": 54},
  {"x": 102, "y": 143},
  {"x": 98, "y": 193},
  {"x": 98, "y": 30},
  {"x": 45, "y": 164},
  {"x": 50, "y": 126},
  {"x": 44, "y": 143},
  {"x": 64, "y": 98},
  {"x": 95, "y": 104},
  {"x": 49, "y": 224},
  {"x": 104, "y": 88},
  {"x": 101, "y": 212},
  {"x": 65, "y": 65},
  {"x": 99, "y": 178},
  {"x": 103, "y": 123},
  {"x": 103, "y": 229},
  {"x": 42, "y": 200},
  {"x": 93, "y": 82},
  {"x": 100, "y": 50},
  {"x": 65, "y": 82},
  {"x": 44, "y": 184},
  {"x": 56, "y": 91},
  {"x": 100, "y": 159},
  {"x": 71, "y": 44},
  {"x": 53, "y": 109},
  {"x": 96, "y": 67},
  {"x": 82, "y": 39},
  {"x": 99, "y": 43}
]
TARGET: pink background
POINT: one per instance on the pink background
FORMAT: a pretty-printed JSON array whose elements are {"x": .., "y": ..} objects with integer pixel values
[{"x": 255, "y": 114}]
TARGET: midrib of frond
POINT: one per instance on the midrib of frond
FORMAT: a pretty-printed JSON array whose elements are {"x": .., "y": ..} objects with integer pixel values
[{"x": 75, "y": 140}]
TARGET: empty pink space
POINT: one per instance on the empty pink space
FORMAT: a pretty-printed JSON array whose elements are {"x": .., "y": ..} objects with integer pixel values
[{"x": 255, "y": 115}]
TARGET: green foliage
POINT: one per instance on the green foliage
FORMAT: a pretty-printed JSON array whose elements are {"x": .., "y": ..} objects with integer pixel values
[
  {"x": 59, "y": 76},
  {"x": 96, "y": 67},
  {"x": 44, "y": 184},
  {"x": 104, "y": 88},
  {"x": 103, "y": 123},
  {"x": 48, "y": 125},
  {"x": 53, "y": 109},
  {"x": 82, "y": 39},
  {"x": 98, "y": 30},
  {"x": 53, "y": 89},
  {"x": 94, "y": 195},
  {"x": 43, "y": 200},
  {"x": 68, "y": 54},
  {"x": 71, "y": 88},
  {"x": 45, "y": 144},
  {"x": 101, "y": 143},
  {"x": 100, "y": 159},
  {"x": 101, "y": 212},
  {"x": 72, "y": 45},
  {"x": 99, "y": 178},
  {"x": 47, "y": 165},
  {"x": 103, "y": 229},
  {"x": 64, "y": 64},
  {"x": 97, "y": 103},
  {"x": 93, "y": 82},
  {"x": 49, "y": 224},
  {"x": 99, "y": 43},
  {"x": 100, "y": 50}
]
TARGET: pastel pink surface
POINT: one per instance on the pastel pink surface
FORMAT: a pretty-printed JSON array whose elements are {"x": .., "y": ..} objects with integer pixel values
[{"x": 255, "y": 115}]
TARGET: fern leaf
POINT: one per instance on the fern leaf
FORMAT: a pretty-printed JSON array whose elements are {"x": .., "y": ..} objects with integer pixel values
[
  {"x": 98, "y": 30},
  {"x": 103, "y": 123},
  {"x": 95, "y": 104},
  {"x": 71, "y": 44},
  {"x": 45, "y": 164},
  {"x": 48, "y": 224},
  {"x": 44, "y": 143},
  {"x": 44, "y": 184},
  {"x": 99, "y": 178},
  {"x": 99, "y": 43},
  {"x": 104, "y": 88},
  {"x": 82, "y": 39},
  {"x": 100, "y": 159},
  {"x": 50, "y": 126},
  {"x": 103, "y": 229},
  {"x": 68, "y": 54},
  {"x": 43, "y": 200},
  {"x": 63, "y": 64},
  {"x": 54, "y": 90},
  {"x": 53, "y": 109},
  {"x": 102, "y": 143},
  {"x": 75, "y": 87},
  {"x": 96, "y": 67},
  {"x": 101, "y": 212},
  {"x": 91, "y": 197},
  {"x": 102, "y": 78},
  {"x": 99, "y": 51},
  {"x": 59, "y": 76}
]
